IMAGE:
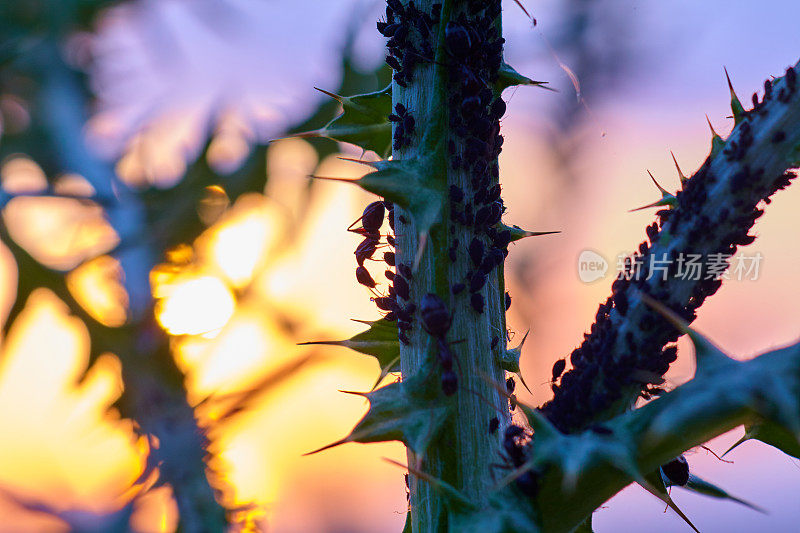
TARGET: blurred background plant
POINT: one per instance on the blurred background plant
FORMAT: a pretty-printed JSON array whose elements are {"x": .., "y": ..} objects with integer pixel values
[{"x": 162, "y": 258}]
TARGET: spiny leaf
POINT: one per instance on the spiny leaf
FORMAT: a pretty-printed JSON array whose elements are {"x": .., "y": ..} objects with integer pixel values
[
  {"x": 363, "y": 122},
  {"x": 708, "y": 356},
  {"x": 769, "y": 433},
  {"x": 411, "y": 411},
  {"x": 777, "y": 400},
  {"x": 380, "y": 341},
  {"x": 717, "y": 142},
  {"x": 701, "y": 486},
  {"x": 573, "y": 454},
  {"x": 667, "y": 198},
  {"x": 509, "y": 360},
  {"x": 736, "y": 106},
  {"x": 682, "y": 177},
  {"x": 518, "y": 233},
  {"x": 509, "y": 77},
  {"x": 406, "y": 184}
]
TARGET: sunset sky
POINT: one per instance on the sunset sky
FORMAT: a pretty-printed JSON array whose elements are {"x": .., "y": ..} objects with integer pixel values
[{"x": 277, "y": 269}]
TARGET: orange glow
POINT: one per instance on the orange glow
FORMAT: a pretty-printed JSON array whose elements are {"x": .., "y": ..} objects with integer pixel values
[
  {"x": 194, "y": 305},
  {"x": 97, "y": 288}
]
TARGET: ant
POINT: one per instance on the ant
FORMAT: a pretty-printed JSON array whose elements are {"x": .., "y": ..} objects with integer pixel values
[{"x": 436, "y": 321}]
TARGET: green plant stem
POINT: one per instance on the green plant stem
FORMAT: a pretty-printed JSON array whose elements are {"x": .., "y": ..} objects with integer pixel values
[{"x": 465, "y": 449}]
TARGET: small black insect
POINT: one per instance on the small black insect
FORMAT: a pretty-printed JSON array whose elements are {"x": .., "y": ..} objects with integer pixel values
[
  {"x": 558, "y": 368},
  {"x": 495, "y": 341},
  {"x": 389, "y": 258},
  {"x": 508, "y": 300},
  {"x": 476, "y": 301},
  {"x": 435, "y": 316},
  {"x": 477, "y": 281},
  {"x": 498, "y": 108},
  {"x": 511, "y": 385},
  {"x": 389, "y": 275},
  {"x": 401, "y": 287},
  {"x": 404, "y": 270},
  {"x": 457, "y": 288},
  {"x": 457, "y": 39},
  {"x": 364, "y": 278},
  {"x": 494, "y": 423},
  {"x": 677, "y": 471},
  {"x": 476, "y": 250},
  {"x": 384, "y": 303},
  {"x": 394, "y": 63},
  {"x": 366, "y": 249}
]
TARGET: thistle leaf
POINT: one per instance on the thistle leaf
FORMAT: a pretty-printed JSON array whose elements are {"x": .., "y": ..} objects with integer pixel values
[
  {"x": 736, "y": 105},
  {"x": 410, "y": 411},
  {"x": 406, "y": 184},
  {"x": 701, "y": 486},
  {"x": 769, "y": 433},
  {"x": 509, "y": 77},
  {"x": 364, "y": 121},
  {"x": 380, "y": 341},
  {"x": 654, "y": 484},
  {"x": 518, "y": 233}
]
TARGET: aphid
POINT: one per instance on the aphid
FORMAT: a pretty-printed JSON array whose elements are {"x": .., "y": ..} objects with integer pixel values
[
  {"x": 435, "y": 316},
  {"x": 477, "y": 281},
  {"x": 401, "y": 287},
  {"x": 404, "y": 270},
  {"x": 476, "y": 301},
  {"x": 366, "y": 249},
  {"x": 389, "y": 275},
  {"x": 512, "y": 402},
  {"x": 457, "y": 288},
  {"x": 389, "y": 258},
  {"x": 403, "y": 337},
  {"x": 677, "y": 471},
  {"x": 494, "y": 423},
  {"x": 457, "y": 39},
  {"x": 482, "y": 216},
  {"x": 384, "y": 303},
  {"x": 394, "y": 63},
  {"x": 390, "y": 240},
  {"x": 498, "y": 108},
  {"x": 476, "y": 250},
  {"x": 364, "y": 278},
  {"x": 508, "y": 300},
  {"x": 558, "y": 368},
  {"x": 511, "y": 385},
  {"x": 495, "y": 341}
]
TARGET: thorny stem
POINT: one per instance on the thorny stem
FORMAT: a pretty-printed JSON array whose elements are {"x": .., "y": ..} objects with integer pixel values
[
  {"x": 465, "y": 449},
  {"x": 629, "y": 347}
]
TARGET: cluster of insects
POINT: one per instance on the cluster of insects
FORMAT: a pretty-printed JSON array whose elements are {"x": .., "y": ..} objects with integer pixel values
[
  {"x": 409, "y": 31},
  {"x": 398, "y": 290},
  {"x": 514, "y": 455},
  {"x": 648, "y": 353}
]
